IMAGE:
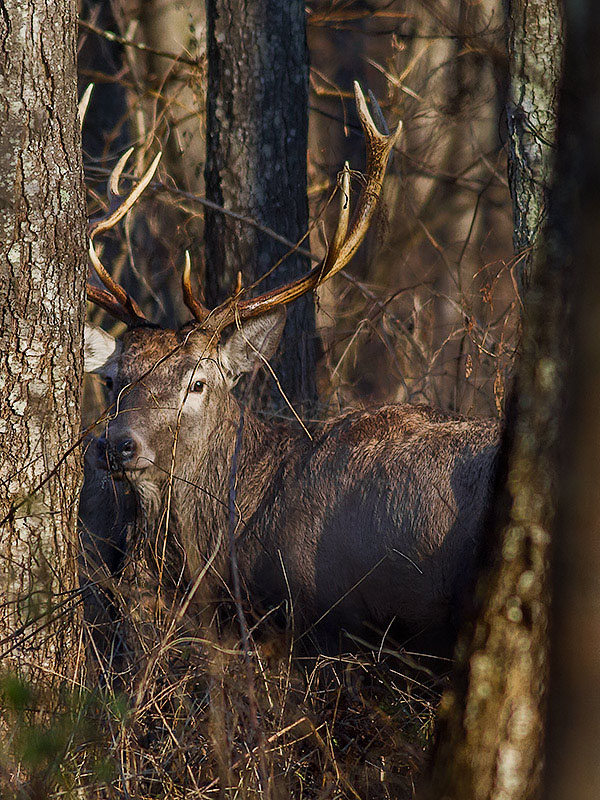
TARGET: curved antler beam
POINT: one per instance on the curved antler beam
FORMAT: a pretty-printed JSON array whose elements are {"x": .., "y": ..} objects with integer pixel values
[
  {"x": 104, "y": 299},
  {"x": 345, "y": 242}
]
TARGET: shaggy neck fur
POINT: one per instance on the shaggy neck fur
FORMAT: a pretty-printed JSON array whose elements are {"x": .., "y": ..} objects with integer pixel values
[{"x": 186, "y": 518}]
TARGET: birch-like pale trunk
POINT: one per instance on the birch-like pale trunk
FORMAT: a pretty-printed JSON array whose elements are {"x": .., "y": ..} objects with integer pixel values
[
  {"x": 42, "y": 276},
  {"x": 535, "y": 59}
]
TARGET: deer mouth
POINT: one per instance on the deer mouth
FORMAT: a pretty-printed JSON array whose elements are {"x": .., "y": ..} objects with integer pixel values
[{"x": 121, "y": 471}]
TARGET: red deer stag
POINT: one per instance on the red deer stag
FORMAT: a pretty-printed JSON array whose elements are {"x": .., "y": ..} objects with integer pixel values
[{"x": 374, "y": 518}]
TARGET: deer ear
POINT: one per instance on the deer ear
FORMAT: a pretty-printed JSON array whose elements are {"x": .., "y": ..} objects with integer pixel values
[
  {"x": 99, "y": 348},
  {"x": 256, "y": 339}
]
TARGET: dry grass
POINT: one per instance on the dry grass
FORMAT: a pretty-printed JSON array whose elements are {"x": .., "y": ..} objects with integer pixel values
[{"x": 188, "y": 714}]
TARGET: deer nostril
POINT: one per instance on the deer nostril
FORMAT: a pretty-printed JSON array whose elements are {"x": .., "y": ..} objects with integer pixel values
[
  {"x": 118, "y": 454},
  {"x": 126, "y": 449}
]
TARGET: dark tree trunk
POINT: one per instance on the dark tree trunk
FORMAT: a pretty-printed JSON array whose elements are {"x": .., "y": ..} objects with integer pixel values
[
  {"x": 256, "y": 162},
  {"x": 535, "y": 52},
  {"x": 573, "y": 764},
  {"x": 490, "y": 739},
  {"x": 42, "y": 275}
]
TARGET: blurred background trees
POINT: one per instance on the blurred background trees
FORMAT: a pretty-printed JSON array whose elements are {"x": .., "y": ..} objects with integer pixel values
[
  {"x": 428, "y": 311},
  {"x": 491, "y": 738}
]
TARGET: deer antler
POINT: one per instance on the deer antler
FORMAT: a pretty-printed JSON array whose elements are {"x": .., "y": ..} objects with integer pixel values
[
  {"x": 116, "y": 300},
  {"x": 344, "y": 244},
  {"x": 199, "y": 311}
]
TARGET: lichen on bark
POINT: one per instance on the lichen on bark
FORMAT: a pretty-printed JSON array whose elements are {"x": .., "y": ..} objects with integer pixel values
[
  {"x": 535, "y": 58},
  {"x": 42, "y": 276}
]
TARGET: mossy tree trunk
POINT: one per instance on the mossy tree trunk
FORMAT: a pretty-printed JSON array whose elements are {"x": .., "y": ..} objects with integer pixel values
[
  {"x": 42, "y": 276},
  {"x": 257, "y": 127},
  {"x": 491, "y": 732}
]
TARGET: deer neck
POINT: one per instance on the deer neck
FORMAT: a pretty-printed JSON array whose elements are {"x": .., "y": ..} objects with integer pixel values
[{"x": 191, "y": 512}]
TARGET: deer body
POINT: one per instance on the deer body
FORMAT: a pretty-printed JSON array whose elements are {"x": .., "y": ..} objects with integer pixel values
[
  {"x": 375, "y": 518},
  {"x": 378, "y": 520}
]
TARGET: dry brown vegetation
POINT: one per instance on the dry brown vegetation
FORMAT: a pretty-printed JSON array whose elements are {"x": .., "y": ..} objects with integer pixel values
[
  {"x": 183, "y": 711},
  {"x": 427, "y": 312}
]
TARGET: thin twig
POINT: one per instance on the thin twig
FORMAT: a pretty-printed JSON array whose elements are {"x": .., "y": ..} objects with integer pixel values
[{"x": 114, "y": 37}]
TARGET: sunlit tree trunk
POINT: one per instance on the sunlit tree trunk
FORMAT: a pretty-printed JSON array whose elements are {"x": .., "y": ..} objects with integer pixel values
[
  {"x": 42, "y": 273},
  {"x": 535, "y": 46},
  {"x": 257, "y": 122}
]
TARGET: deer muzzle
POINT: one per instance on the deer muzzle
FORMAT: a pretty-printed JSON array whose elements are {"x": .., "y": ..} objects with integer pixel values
[{"x": 121, "y": 454}]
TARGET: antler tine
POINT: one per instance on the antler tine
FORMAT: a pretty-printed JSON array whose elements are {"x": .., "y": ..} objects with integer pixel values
[
  {"x": 199, "y": 311},
  {"x": 131, "y": 312},
  {"x": 345, "y": 242},
  {"x": 110, "y": 220},
  {"x": 343, "y": 219},
  {"x": 105, "y": 300},
  {"x": 379, "y": 147},
  {"x": 115, "y": 289},
  {"x": 115, "y": 177},
  {"x": 84, "y": 102}
]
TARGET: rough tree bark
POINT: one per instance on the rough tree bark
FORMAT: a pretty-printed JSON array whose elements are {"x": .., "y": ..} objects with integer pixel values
[
  {"x": 42, "y": 274},
  {"x": 490, "y": 739},
  {"x": 573, "y": 766},
  {"x": 257, "y": 120},
  {"x": 535, "y": 44}
]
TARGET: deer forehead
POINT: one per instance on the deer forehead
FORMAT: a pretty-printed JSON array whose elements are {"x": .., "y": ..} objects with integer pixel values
[{"x": 165, "y": 356}]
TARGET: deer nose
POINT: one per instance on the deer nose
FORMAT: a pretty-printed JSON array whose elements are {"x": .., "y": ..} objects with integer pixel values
[
  {"x": 126, "y": 448},
  {"x": 118, "y": 453}
]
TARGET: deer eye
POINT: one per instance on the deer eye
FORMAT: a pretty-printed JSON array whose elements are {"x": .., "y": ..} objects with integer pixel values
[
  {"x": 197, "y": 386},
  {"x": 108, "y": 382}
]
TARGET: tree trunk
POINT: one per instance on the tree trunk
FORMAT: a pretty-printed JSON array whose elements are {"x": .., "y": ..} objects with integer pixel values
[
  {"x": 573, "y": 765},
  {"x": 535, "y": 48},
  {"x": 490, "y": 739},
  {"x": 257, "y": 122},
  {"x": 42, "y": 274}
]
